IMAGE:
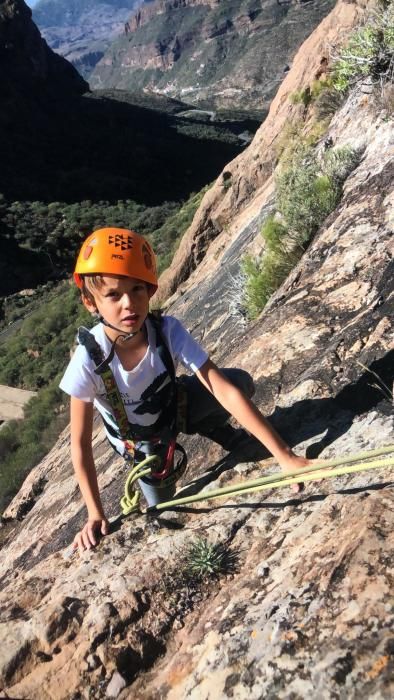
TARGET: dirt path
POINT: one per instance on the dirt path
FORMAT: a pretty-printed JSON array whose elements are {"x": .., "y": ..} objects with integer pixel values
[{"x": 12, "y": 402}]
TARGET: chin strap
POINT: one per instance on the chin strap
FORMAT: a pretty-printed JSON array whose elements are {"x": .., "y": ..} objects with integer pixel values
[{"x": 122, "y": 335}]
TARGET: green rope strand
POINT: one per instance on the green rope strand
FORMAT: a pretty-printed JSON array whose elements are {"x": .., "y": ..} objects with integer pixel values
[
  {"x": 314, "y": 468},
  {"x": 269, "y": 483}
]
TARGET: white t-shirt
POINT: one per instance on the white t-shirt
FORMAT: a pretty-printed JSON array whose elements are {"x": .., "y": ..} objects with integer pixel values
[{"x": 140, "y": 388}]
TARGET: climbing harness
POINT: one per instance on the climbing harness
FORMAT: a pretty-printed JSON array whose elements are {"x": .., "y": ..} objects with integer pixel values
[
  {"x": 163, "y": 469},
  {"x": 265, "y": 483}
]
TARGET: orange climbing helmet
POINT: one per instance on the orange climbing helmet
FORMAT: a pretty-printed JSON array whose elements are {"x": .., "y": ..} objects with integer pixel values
[{"x": 116, "y": 251}]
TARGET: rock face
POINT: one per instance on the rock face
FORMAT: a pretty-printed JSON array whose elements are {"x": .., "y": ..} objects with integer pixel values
[
  {"x": 29, "y": 67},
  {"x": 82, "y": 31},
  {"x": 221, "y": 53},
  {"x": 32, "y": 78},
  {"x": 305, "y": 609}
]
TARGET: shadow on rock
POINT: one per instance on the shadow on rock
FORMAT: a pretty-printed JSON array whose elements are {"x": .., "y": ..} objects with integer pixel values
[{"x": 334, "y": 416}]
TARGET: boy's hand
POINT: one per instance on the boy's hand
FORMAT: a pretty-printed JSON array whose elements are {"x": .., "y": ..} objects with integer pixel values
[
  {"x": 294, "y": 463},
  {"x": 86, "y": 538}
]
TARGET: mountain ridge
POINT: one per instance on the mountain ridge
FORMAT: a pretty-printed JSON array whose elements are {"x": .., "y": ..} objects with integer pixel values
[
  {"x": 209, "y": 52},
  {"x": 81, "y": 31}
]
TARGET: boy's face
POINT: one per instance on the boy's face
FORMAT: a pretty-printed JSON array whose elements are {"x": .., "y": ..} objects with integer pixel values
[{"x": 122, "y": 301}]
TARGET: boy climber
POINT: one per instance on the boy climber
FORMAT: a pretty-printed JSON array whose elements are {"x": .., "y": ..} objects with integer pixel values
[{"x": 116, "y": 273}]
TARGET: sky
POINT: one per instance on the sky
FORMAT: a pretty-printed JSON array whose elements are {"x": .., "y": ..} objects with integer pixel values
[{"x": 31, "y": 3}]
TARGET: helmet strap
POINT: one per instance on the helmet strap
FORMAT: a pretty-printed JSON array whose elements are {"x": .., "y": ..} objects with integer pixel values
[{"x": 124, "y": 337}]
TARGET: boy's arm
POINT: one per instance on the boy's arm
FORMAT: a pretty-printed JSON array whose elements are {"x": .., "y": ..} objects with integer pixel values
[
  {"x": 81, "y": 414},
  {"x": 248, "y": 415}
]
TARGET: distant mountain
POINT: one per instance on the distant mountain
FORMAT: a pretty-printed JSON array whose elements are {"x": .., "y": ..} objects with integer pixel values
[
  {"x": 35, "y": 83},
  {"x": 58, "y": 144},
  {"x": 81, "y": 30},
  {"x": 221, "y": 53},
  {"x": 31, "y": 75}
]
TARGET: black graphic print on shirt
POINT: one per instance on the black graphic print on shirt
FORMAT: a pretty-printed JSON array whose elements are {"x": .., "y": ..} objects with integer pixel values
[{"x": 155, "y": 400}]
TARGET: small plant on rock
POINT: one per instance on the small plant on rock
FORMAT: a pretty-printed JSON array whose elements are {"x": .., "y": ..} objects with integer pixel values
[
  {"x": 327, "y": 102},
  {"x": 206, "y": 560},
  {"x": 303, "y": 97}
]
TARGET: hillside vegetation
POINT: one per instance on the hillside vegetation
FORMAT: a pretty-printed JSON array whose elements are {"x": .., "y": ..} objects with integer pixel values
[{"x": 110, "y": 159}]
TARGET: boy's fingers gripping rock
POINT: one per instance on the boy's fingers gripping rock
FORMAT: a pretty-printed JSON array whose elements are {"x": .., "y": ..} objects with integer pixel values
[
  {"x": 86, "y": 538},
  {"x": 90, "y": 538}
]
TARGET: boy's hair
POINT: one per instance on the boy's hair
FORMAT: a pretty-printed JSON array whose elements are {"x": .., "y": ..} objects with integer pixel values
[
  {"x": 89, "y": 284},
  {"x": 92, "y": 282}
]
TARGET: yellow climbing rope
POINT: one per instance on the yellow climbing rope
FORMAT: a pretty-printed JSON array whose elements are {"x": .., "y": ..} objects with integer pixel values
[{"x": 130, "y": 501}]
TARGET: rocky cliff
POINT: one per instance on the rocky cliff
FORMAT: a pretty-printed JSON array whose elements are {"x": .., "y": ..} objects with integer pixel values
[
  {"x": 28, "y": 66},
  {"x": 304, "y": 608},
  {"x": 82, "y": 31},
  {"x": 238, "y": 195},
  {"x": 227, "y": 54},
  {"x": 33, "y": 79}
]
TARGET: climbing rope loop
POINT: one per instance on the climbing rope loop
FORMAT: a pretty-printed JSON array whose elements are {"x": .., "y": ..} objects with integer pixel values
[{"x": 130, "y": 501}]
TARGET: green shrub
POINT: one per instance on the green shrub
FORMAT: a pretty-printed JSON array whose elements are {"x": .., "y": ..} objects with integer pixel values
[
  {"x": 256, "y": 291},
  {"x": 274, "y": 234},
  {"x": 338, "y": 163},
  {"x": 301, "y": 97},
  {"x": 369, "y": 52},
  {"x": 308, "y": 189},
  {"x": 319, "y": 86},
  {"x": 328, "y": 102},
  {"x": 263, "y": 276}
]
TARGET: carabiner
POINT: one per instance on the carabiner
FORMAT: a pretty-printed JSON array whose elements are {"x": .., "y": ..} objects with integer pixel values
[{"x": 168, "y": 462}]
